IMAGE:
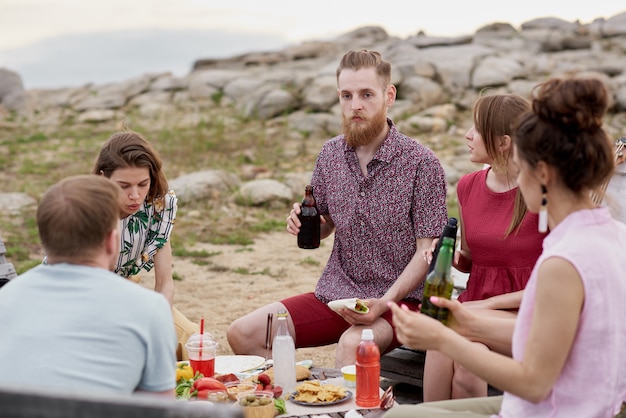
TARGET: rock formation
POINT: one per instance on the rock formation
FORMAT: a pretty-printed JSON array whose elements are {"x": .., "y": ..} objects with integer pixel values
[{"x": 436, "y": 78}]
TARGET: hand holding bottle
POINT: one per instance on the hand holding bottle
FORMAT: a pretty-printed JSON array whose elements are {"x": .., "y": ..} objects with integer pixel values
[
  {"x": 293, "y": 221},
  {"x": 428, "y": 255},
  {"x": 449, "y": 231},
  {"x": 416, "y": 330},
  {"x": 439, "y": 282}
]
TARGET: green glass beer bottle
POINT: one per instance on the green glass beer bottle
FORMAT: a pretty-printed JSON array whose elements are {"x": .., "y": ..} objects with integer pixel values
[{"x": 439, "y": 282}]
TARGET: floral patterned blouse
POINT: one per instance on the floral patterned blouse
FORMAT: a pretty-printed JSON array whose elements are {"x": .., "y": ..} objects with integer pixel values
[{"x": 144, "y": 233}]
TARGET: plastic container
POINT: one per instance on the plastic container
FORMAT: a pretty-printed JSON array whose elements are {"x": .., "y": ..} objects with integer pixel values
[
  {"x": 349, "y": 375},
  {"x": 257, "y": 405},
  {"x": 367, "y": 371},
  {"x": 201, "y": 350},
  {"x": 239, "y": 388}
]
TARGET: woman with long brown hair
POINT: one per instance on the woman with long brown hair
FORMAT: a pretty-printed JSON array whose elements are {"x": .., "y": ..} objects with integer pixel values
[
  {"x": 499, "y": 239},
  {"x": 149, "y": 213}
]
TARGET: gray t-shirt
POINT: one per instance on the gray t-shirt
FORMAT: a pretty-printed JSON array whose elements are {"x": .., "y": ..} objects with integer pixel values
[{"x": 85, "y": 329}]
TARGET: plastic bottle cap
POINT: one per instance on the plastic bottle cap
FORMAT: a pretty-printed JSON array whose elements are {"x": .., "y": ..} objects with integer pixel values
[{"x": 367, "y": 334}]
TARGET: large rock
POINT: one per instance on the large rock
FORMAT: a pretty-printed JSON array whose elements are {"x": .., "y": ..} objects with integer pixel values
[
  {"x": 200, "y": 185},
  {"x": 496, "y": 71},
  {"x": 14, "y": 203},
  {"x": 615, "y": 26},
  {"x": 300, "y": 80},
  {"x": 265, "y": 192},
  {"x": 12, "y": 95}
]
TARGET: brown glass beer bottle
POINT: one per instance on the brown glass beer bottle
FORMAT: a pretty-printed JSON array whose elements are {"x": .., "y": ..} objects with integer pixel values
[{"x": 309, "y": 235}]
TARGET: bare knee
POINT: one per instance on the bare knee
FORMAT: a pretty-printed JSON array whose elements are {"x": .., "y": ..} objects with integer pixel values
[
  {"x": 466, "y": 384},
  {"x": 246, "y": 335},
  {"x": 350, "y": 339},
  {"x": 438, "y": 375},
  {"x": 346, "y": 347},
  {"x": 236, "y": 336}
]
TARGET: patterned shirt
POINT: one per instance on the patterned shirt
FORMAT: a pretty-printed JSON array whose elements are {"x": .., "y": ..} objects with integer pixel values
[
  {"x": 377, "y": 217},
  {"x": 144, "y": 233}
]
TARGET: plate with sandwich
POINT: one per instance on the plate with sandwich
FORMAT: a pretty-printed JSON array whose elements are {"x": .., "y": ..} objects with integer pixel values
[{"x": 354, "y": 304}]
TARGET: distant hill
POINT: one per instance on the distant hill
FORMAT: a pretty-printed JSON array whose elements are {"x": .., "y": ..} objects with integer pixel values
[{"x": 102, "y": 57}]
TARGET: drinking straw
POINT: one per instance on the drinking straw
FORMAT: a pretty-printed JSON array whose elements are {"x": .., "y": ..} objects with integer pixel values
[
  {"x": 201, "y": 336},
  {"x": 268, "y": 334}
]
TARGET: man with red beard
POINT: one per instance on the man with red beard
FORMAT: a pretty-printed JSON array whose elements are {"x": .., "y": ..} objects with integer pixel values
[{"x": 384, "y": 196}]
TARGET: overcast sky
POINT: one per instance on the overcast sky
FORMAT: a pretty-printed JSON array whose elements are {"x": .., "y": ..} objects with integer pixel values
[{"x": 30, "y": 30}]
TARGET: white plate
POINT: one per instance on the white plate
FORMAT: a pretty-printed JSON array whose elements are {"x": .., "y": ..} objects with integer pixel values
[
  {"x": 335, "y": 305},
  {"x": 237, "y": 364}
]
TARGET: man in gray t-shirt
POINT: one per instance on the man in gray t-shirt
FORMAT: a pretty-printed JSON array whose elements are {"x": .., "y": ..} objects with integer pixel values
[{"x": 72, "y": 324}]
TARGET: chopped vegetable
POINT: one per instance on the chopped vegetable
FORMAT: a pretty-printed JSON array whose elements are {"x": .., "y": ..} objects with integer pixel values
[
  {"x": 183, "y": 371},
  {"x": 185, "y": 389},
  {"x": 279, "y": 405}
]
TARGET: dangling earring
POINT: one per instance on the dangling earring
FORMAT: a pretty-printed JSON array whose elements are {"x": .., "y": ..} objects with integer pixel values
[{"x": 543, "y": 212}]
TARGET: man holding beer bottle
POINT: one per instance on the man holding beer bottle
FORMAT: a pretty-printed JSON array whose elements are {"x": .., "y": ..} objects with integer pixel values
[{"x": 384, "y": 196}]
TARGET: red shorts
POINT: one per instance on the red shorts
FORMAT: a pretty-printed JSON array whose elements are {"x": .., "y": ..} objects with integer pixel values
[{"x": 317, "y": 325}]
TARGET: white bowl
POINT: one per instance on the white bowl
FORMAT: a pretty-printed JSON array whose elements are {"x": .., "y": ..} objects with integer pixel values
[{"x": 349, "y": 375}]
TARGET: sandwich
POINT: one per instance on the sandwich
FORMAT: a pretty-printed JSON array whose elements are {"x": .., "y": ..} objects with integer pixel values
[{"x": 354, "y": 304}]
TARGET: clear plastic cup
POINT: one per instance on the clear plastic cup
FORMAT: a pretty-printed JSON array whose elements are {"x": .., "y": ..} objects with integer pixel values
[{"x": 201, "y": 349}]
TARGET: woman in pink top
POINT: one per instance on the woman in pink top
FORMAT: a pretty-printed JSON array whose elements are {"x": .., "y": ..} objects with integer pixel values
[
  {"x": 569, "y": 338},
  {"x": 499, "y": 239}
]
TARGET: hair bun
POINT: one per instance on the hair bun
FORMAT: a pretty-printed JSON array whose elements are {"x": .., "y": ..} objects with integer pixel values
[{"x": 575, "y": 104}]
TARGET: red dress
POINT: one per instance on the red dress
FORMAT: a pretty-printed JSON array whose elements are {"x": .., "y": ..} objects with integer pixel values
[{"x": 499, "y": 265}]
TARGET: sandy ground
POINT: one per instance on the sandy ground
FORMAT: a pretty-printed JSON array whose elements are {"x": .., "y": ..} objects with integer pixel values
[{"x": 239, "y": 279}]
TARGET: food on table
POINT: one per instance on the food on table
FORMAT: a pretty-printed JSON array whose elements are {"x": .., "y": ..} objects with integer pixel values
[
  {"x": 184, "y": 387},
  {"x": 254, "y": 400},
  {"x": 257, "y": 405},
  {"x": 264, "y": 379},
  {"x": 360, "y": 306},
  {"x": 225, "y": 378},
  {"x": 263, "y": 382},
  {"x": 209, "y": 388},
  {"x": 238, "y": 388},
  {"x": 313, "y": 391},
  {"x": 212, "y": 395},
  {"x": 183, "y": 371},
  {"x": 302, "y": 373},
  {"x": 209, "y": 383}
]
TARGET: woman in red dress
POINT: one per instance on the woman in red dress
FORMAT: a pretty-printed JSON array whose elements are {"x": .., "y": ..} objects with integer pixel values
[{"x": 499, "y": 239}]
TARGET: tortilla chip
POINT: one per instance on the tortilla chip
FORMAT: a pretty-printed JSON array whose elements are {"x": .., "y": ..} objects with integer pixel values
[{"x": 313, "y": 391}]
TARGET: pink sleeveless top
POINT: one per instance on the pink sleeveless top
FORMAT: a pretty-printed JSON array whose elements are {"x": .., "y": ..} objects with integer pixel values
[{"x": 593, "y": 380}]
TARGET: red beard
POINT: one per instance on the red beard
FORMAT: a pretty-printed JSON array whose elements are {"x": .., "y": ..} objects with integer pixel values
[{"x": 364, "y": 132}]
